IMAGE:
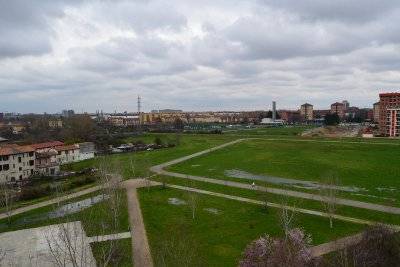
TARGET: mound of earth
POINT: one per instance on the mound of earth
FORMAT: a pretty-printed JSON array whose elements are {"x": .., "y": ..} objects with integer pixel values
[{"x": 334, "y": 131}]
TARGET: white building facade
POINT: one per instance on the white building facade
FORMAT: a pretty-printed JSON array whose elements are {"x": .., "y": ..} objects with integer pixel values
[{"x": 17, "y": 163}]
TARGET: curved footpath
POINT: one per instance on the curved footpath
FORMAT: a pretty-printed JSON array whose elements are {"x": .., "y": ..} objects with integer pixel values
[{"x": 159, "y": 169}]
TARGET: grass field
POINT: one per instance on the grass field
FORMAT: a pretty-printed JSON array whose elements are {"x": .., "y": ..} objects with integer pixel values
[
  {"x": 269, "y": 131},
  {"x": 374, "y": 216},
  {"x": 217, "y": 239},
  {"x": 121, "y": 257},
  {"x": 138, "y": 164},
  {"x": 374, "y": 168}
]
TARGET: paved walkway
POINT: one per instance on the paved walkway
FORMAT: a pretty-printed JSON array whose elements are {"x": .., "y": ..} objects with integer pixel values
[
  {"x": 51, "y": 201},
  {"x": 140, "y": 246},
  {"x": 159, "y": 169},
  {"x": 102, "y": 238}
]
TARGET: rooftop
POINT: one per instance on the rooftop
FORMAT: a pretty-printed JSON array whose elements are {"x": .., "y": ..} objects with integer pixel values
[
  {"x": 47, "y": 144},
  {"x": 68, "y": 147},
  {"x": 15, "y": 149}
]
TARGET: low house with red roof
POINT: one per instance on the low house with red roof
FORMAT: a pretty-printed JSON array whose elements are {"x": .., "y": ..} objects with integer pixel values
[{"x": 17, "y": 163}]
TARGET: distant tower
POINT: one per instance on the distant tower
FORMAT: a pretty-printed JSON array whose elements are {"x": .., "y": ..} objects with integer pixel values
[
  {"x": 139, "y": 104},
  {"x": 273, "y": 110}
]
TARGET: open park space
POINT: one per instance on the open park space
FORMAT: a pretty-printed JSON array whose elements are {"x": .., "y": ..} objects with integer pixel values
[
  {"x": 186, "y": 221},
  {"x": 220, "y": 228},
  {"x": 364, "y": 170}
]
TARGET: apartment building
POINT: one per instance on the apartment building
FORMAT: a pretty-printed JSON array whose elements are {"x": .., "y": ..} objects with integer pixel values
[
  {"x": 46, "y": 162},
  {"x": 306, "y": 112},
  {"x": 17, "y": 163},
  {"x": 376, "y": 112},
  {"x": 67, "y": 154},
  {"x": 338, "y": 108},
  {"x": 87, "y": 150},
  {"x": 389, "y": 114}
]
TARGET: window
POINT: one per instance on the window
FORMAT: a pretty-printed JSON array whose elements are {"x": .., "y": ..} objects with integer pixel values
[
  {"x": 1, "y": 168},
  {"x": 19, "y": 159},
  {"x": 30, "y": 154},
  {"x": 31, "y": 162},
  {"x": 6, "y": 167},
  {"x": 20, "y": 168}
]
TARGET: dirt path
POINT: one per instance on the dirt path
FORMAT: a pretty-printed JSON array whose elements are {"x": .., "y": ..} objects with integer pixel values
[
  {"x": 159, "y": 169},
  {"x": 140, "y": 246},
  {"x": 51, "y": 201}
]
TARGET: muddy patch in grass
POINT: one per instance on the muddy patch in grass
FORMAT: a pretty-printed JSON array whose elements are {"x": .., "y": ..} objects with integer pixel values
[{"x": 176, "y": 201}]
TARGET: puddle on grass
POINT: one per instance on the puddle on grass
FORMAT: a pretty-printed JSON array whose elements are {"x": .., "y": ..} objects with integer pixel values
[
  {"x": 60, "y": 212},
  {"x": 176, "y": 201},
  {"x": 212, "y": 210},
  {"x": 288, "y": 182},
  {"x": 78, "y": 206}
]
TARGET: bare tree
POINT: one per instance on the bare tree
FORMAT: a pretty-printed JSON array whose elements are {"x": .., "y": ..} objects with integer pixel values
[
  {"x": 192, "y": 198},
  {"x": 329, "y": 193},
  {"x": 264, "y": 196},
  {"x": 286, "y": 216},
  {"x": 67, "y": 241},
  {"x": 7, "y": 199}
]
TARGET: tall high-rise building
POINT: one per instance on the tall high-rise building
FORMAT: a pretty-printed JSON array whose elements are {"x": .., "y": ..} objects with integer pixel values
[
  {"x": 273, "y": 110},
  {"x": 346, "y": 104},
  {"x": 389, "y": 114},
  {"x": 68, "y": 113},
  {"x": 307, "y": 112},
  {"x": 375, "y": 111},
  {"x": 338, "y": 108}
]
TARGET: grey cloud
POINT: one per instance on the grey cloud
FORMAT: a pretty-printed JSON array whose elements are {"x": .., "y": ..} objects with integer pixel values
[
  {"x": 141, "y": 16},
  {"x": 25, "y": 28},
  {"x": 342, "y": 10}
]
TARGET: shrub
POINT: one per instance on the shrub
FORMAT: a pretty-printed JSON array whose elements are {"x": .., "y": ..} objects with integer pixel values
[
  {"x": 32, "y": 192},
  {"x": 291, "y": 251}
]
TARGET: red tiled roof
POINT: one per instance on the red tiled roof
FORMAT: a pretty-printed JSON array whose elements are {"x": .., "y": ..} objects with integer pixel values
[
  {"x": 47, "y": 145},
  {"x": 15, "y": 149},
  {"x": 69, "y": 147}
]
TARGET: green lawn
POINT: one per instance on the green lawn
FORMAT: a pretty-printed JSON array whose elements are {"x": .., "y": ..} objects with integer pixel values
[
  {"x": 217, "y": 239},
  {"x": 122, "y": 255},
  {"x": 286, "y": 131},
  {"x": 375, "y": 216},
  {"x": 138, "y": 164},
  {"x": 367, "y": 166},
  {"x": 91, "y": 218}
]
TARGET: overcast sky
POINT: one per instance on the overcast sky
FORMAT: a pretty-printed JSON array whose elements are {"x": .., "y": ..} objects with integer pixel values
[{"x": 196, "y": 55}]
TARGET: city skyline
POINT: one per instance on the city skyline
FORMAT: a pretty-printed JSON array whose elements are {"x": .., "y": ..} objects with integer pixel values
[{"x": 215, "y": 55}]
